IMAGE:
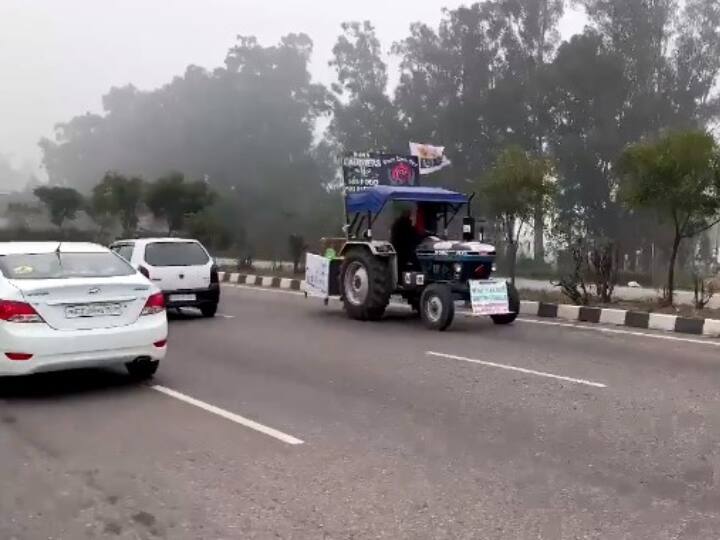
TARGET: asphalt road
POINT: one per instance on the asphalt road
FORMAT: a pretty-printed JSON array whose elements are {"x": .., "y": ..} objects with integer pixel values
[{"x": 370, "y": 430}]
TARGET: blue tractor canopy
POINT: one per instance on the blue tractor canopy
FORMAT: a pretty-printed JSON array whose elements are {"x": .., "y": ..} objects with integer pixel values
[
  {"x": 362, "y": 208},
  {"x": 374, "y": 199}
]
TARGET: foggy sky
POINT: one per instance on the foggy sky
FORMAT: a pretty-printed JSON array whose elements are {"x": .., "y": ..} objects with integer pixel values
[{"x": 58, "y": 57}]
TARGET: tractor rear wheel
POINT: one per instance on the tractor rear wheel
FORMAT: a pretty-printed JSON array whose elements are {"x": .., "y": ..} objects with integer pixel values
[
  {"x": 437, "y": 307},
  {"x": 513, "y": 304},
  {"x": 366, "y": 288}
]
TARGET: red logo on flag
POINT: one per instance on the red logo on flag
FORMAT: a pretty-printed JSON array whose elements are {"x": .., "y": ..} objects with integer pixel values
[{"x": 402, "y": 174}]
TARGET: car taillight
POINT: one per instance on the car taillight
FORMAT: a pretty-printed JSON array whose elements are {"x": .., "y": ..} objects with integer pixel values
[
  {"x": 161, "y": 344},
  {"x": 18, "y": 357},
  {"x": 214, "y": 278},
  {"x": 18, "y": 312},
  {"x": 144, "y": 271},
  {"x": 155, "y": 304}
]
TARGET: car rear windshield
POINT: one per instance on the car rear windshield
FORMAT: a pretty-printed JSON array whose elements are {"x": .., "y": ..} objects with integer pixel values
[
  {"x": 63, "y": 265},
  {"x": 175, "y": 254}
]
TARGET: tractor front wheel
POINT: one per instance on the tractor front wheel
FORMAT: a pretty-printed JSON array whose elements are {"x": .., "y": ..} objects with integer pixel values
[
  {"x": 437, "y": 307},
  {"x": 366, "y": 287},
  {"x": 513, "y": 304}
]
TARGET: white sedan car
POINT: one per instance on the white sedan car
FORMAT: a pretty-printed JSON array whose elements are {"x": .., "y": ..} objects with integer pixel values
[{"x": 72, "y": 305}]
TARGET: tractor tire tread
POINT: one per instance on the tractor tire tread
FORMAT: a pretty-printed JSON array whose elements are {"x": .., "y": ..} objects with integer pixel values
[{"x": 379, "y": 291}]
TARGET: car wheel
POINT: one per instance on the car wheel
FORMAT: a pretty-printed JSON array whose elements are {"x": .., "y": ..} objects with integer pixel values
[
  {"x": 209, "y": 310},
  {"x": 142, "y": 369}
]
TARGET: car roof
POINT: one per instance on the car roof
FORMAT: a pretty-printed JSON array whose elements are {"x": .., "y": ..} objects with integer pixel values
[
  {"x": 21, "y": 248},
  {"x": 145, "y": 241}
]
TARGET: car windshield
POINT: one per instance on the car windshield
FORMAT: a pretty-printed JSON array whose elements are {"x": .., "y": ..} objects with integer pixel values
[
  {"x": 175, "y": 254},
  {"x": 63, "y": 265}
]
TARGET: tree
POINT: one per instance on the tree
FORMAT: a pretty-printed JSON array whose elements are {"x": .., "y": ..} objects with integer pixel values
[
  {"x": 637, "y": 69},
  {"x": 446, "y": 79},
  {"x": 297, "y": 247},
  {"x": 364, "y": 117},
  {"x": 247, "y": 125},
  {"x": 173, "y": 199},
  {"x": 119, "y": 197},
  {"x": 678, "y": 177},
  {"x": 515, "y": 187},
  {"x": 63, "y": 203},
  {"x": 206, "y": 227},
  {"x": 21, "y": 214},
  {"x": 588, "y": 98},
  {"x": 12, "y": 179},
  {"x": 518, "y": 107},
  {"x": 697, "y": 61}
]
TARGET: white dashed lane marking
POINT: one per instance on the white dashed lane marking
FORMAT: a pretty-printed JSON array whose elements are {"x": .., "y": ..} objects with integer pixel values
[
  {"x": 518, "y": 369},
  {"x": 252, "y": 424}
]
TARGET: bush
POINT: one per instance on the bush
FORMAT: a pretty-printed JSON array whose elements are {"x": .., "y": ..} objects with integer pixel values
[
  {"x": 530, "y": 268},
  {"x": 587, "y": 268}
]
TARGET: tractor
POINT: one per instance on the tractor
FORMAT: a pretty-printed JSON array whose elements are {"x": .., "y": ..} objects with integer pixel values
[{"x": 439, "y": 271}]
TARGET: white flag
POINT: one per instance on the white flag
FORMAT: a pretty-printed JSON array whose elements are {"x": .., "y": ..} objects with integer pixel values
[{"x": 431, "y": 158}]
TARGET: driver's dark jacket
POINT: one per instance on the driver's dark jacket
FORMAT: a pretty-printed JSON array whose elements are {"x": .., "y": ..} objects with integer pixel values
[{"x": 405, "y": 239}]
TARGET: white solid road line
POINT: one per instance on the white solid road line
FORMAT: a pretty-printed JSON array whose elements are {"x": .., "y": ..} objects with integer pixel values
[
  {"x": 576, "y": 326},
  {"x": 519, "y": 369},
  {"x": 279, "y": 435},
  {"x": 626, "y": 332}
]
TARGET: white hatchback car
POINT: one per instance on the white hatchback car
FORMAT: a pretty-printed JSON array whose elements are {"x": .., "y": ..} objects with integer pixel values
[
  {"x": 70, "y": 305},
  {"x": 180, "y": 267}
]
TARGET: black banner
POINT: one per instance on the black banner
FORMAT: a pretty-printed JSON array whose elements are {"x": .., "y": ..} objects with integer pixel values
[{"x": 363, "y": 171}]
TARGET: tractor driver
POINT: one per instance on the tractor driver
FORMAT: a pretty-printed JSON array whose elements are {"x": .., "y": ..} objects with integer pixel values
[{"x": 405, "y": 238}]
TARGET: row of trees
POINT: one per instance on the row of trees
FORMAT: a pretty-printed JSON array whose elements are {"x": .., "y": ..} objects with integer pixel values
[
  {"x": 119, "y": 201},
  {"x": 490, "y": 76},
  {"x": 496, "y": 74},
  {"x": 247, "y": 128},
  {"x": 675, "y": 177}
]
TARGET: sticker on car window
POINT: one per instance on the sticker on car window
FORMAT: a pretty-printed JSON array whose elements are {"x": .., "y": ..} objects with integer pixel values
[{"x": 23, "y": 270}]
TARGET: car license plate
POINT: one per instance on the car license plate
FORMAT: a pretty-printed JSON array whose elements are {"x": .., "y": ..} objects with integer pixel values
[
  {"x": 182, "y": 298},
  {"x": 93, "y": 310}
]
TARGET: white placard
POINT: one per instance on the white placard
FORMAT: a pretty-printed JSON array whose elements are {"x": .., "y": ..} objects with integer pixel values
[
  {"x": 489, "y": 297},
  {"x": 431, "y": 158},
  {"x": 317, "y": 275}
]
